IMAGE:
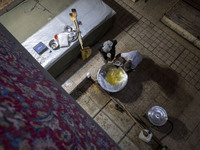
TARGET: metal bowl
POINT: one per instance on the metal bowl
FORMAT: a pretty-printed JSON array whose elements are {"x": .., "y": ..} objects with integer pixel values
[
  {"x": 112, "y": 78},
  {"x": 157, "y": 116},
  {"x": 54, "y": 44},
  {"x": 68, "y": 29},
  {"x": 73, "y": 36}
]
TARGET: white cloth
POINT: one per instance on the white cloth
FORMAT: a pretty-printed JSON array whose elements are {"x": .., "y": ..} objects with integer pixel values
[
  {"x": 107, "y": 46},
  {"x": 134, "y": 56},
  {"x": 63, "y": 39}
]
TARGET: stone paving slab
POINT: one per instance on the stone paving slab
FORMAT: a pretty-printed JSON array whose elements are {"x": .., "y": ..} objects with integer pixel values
[
  {"x": 88, "y": 105},
  {"x": 120, "y": 118},
  {"x": 111, "y": 129},
  {"x": 101, "y": 107},
  {"x": 127, "y": 144}
]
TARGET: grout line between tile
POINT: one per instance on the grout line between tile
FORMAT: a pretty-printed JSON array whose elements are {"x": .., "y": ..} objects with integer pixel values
[
  {"x": 102, "y": 109},
  {"x": 125, "y": 135}
]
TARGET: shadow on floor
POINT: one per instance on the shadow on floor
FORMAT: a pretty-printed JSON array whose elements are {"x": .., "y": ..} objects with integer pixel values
[
  {"x": 82, "y": 88},
  {"x": 166, "y": 78},
  {"x": 173, "y": 128},
  {"x": 123, "y": 17},
  {"x": 123, "y": 20},
  {"x": 150, "y": 85},
  {"x": 175, "y": 103}
]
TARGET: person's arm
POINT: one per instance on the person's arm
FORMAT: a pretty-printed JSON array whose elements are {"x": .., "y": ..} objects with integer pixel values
[
  {"x": 112, "y": 52},
  {"x": 104, "y": 55},
  {"x": 116, "y": 57}
]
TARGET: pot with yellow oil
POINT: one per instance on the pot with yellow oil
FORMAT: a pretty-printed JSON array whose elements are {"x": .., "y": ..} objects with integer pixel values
[{"x": 111, "y": 78}]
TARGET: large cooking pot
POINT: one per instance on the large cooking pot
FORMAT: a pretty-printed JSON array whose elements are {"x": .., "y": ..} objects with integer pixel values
[{"x": 112, "y": 78}]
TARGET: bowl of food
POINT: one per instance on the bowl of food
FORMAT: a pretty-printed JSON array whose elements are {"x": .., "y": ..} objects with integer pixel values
[{"x": 112, "y": 78}]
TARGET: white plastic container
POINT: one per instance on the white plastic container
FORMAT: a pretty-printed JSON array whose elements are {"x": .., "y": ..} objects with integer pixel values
[
  {"x": 145, "y": 135},
  {"x": 88, "y": 75}
]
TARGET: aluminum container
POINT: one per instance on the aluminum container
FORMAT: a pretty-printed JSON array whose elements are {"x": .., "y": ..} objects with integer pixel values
[{"x": 112, "y": 78}]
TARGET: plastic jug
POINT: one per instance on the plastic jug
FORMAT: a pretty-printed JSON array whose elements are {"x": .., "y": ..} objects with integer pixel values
[{"x": 145, "y": 135}]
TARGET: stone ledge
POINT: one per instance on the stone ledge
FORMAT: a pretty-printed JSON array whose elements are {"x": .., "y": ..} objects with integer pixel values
[{"x": 181, "y": 31}]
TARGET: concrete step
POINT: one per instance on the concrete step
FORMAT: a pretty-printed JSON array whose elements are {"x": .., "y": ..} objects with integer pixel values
[{"x": 120, "y": 126}]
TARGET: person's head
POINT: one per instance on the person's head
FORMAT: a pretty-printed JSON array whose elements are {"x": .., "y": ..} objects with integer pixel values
[
  {"x": 107, "y": 46},
  {"x": 127, "y": 66}
]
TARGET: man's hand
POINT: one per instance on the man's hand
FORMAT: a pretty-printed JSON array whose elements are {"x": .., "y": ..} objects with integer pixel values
[{"x": 113, "y": 60}]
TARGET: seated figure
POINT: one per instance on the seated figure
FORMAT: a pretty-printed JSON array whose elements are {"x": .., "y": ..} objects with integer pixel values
[
  {"x": 108, "y": 47},
  {"x": 128, "y": 60}
]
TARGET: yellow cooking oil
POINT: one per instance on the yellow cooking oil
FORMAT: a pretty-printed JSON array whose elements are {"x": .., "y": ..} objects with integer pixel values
[{"x": 114, "y": 76}]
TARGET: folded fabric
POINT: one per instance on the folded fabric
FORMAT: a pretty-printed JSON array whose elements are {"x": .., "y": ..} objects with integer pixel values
[{"x": 63, "y": 39}]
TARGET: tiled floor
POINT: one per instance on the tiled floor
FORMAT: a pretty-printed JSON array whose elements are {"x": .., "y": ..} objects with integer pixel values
[
  {"x": 123, "y": 129},
  {"x": 169, "y": 76}
]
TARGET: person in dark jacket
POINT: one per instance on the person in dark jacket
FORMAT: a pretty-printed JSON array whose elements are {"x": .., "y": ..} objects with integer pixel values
[{"x": 108, "y": 47}]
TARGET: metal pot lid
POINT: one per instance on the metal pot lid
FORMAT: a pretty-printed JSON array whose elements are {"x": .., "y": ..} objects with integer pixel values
[{"x": 157, "y": 116}]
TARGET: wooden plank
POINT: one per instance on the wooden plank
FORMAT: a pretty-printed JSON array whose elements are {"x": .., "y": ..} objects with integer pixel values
[
  {"x": 4, "y": 3},
  {"x": 7, "y": 5},
  {"x": 185, "y": 16},
  {"x": 193, "y": 3}
]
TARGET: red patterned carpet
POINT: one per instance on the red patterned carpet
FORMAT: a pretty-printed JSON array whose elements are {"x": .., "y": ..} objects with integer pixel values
[{"x": 35, "y": 112}]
